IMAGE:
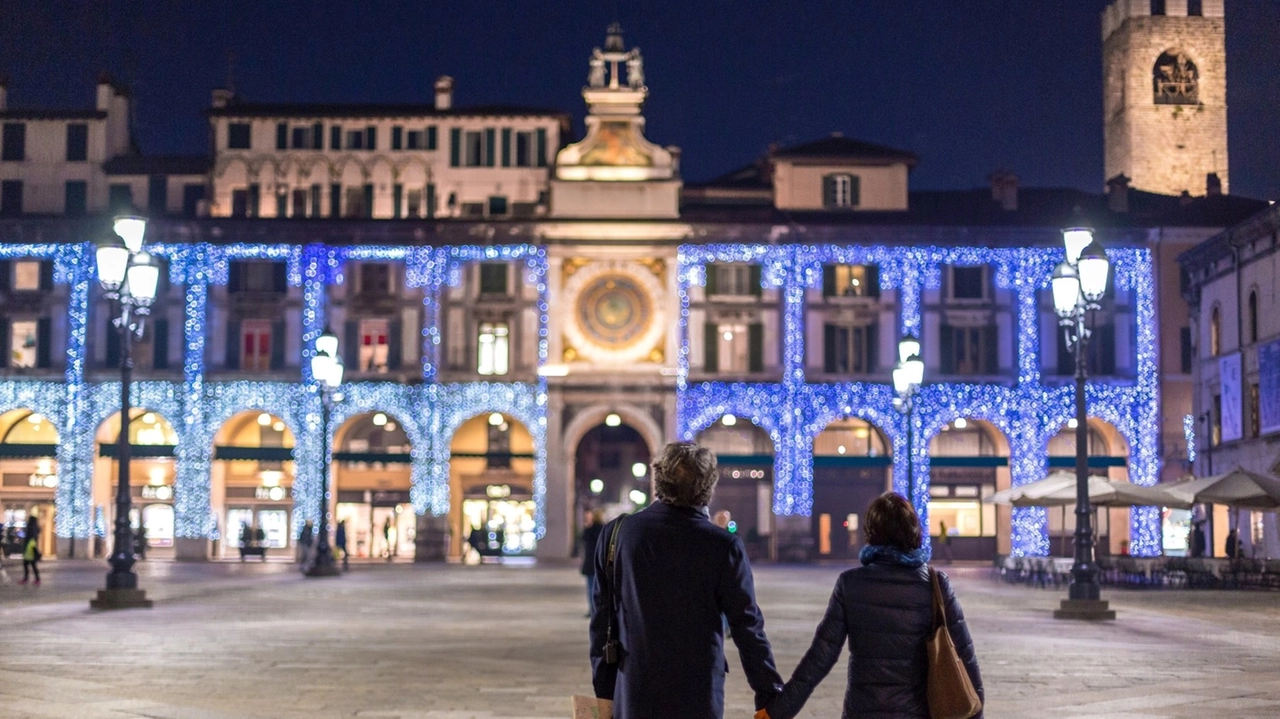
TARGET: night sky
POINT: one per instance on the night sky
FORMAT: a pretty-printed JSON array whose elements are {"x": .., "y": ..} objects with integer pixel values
[{"x": 969, "y": 85}]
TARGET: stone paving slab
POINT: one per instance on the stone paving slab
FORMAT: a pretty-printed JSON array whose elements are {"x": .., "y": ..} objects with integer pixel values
[{"x": 450, "y": 642}]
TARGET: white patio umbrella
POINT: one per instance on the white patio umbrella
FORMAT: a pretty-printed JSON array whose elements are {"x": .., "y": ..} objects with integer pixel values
[
  {"x": 1056, "y": 490},
  {"x": 1238, "y": 488}
]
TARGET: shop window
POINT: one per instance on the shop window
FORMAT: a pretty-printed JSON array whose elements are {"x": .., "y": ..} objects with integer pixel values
[
  {"x": 238, "y": 136},
  {"x": 968, "y": 283},
  {"x": 733, "y": 279},
  {"x": 374, "y": 344},
  {"x": 493, "y": 279},
  {"x": 14, "y": 143},
  {"x": 969, "y": 350},
  {"x": 157, "y": 519},
  {"x": 841, "y": 192},
  {"x": 77, "y": 142},
  {"x": 960, "y": 508},
  {"x": 493, "y": 348},
  {"x": 734, "y": 348},
  {"x": 850, "y": 281},
  {"x": 849, "y": 349},
  {"x": 255, "y": 341}
]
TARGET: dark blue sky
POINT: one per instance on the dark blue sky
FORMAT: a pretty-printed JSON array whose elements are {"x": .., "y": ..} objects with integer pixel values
[{"x": 969, "y": 85}]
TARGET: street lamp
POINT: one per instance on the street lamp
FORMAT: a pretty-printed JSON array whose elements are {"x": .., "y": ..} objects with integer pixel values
[
  {"x": 129, "y": 277},
  {"x": 1078, "y": 284},
  {"x": 326, "y": 368},
  {"x": 907, "y": 377}
]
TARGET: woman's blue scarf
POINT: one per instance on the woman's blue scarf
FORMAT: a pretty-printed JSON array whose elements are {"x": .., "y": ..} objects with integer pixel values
[{"x": 885, "y": 554}]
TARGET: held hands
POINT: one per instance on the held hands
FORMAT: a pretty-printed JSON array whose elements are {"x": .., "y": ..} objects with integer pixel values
[{"x": 762, "y": 714}]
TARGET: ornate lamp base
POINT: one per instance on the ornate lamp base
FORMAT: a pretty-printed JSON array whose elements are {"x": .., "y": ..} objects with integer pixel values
[
  {"x": 121, "y": 599},
  {"x": 1086, "y": 609}
]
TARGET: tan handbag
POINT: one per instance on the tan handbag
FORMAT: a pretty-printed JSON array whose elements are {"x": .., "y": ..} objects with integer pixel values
[{"x": 951, "y": 693}]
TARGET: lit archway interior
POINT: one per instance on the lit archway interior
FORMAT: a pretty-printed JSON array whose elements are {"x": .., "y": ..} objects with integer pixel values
[
  {"x": 152, "y": 447},
  {"x": 371, "y": 482},
  {"x": 1108, "y": 457},
  {"x": 968, "y": 461},
  {"x": 492, "y": 512},
  {"x": 29, "y": 466},
  {"x": 252, "y": 487},
  {"x": 852, "y": 465},
  {"x": 744, "y": 455},
  {"x": 611, "y": 470}
]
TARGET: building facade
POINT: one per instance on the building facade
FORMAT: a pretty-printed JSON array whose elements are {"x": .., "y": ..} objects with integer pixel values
[
  {"x": 525, "y": 320},
  {"x": 1232, "y": 289}
]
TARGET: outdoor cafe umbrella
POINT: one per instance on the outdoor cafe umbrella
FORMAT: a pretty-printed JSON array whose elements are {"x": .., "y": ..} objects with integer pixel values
[{"x": 1238, "y": 488}]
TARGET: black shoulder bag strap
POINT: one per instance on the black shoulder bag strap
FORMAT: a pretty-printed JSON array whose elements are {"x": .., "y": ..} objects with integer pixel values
[{"x": 611, "y": 644}]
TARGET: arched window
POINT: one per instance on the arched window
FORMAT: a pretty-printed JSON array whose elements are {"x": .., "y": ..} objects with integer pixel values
[
  {"x": 1253, "y": 316},
  {"x": 1176, "y": 80},
  {"x": 1215, "y": 332}
]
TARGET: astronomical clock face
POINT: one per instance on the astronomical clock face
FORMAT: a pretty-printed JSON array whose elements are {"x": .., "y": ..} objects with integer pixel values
[{"x": 617, "y": 315}]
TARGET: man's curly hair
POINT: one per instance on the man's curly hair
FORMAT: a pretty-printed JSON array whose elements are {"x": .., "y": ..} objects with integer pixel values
[{"x": 684, "y": 475}]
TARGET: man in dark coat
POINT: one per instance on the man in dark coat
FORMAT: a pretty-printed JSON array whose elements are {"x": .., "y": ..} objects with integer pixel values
[{"x": 674, "y": 576}]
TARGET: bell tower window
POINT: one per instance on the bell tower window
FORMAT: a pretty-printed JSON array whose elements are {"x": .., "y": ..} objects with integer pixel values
[{"x": 1176, "y": 80}]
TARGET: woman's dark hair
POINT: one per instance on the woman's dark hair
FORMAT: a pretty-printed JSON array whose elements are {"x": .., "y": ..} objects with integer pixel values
[{"x": 892, "y": 521}]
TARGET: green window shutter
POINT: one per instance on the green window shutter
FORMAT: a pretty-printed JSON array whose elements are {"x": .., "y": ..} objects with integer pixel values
[
  {"x": 711, "y": 347},
  {"x": 947, "y": 346},
  {"x": 432, "y": 139},
  {"x": 397, "y": 197},
  {"x": 277, "y": 344},
  {"x": 335, "y": 200},
  {"x": 540, "y": 151},
  {"x": 393, "y": 345},
  {"x": 431, "y": 200},
  {"x": 828, "y": 280},
  {"x": 233, "y": 344},
  {"x": 397, "y": 138},
  {"x": 368, "y": 200},
  {"x": 855, "y": 191},
  {"x": 371, "y": 138},
  {"x": 829, "y": 191},
  {"x": 455, "y": 147},
  {"x": 317, "y": 136},
  {"x": 829, "y": 349},
  {"x": 873, "y": 281},
  {"x": 351, "y": 337},
  {"x": 991, "y": 350},
  {"x": 753, "y": 278},
  {"x": 44, "y": 328},
  {"x": 282, "y": 136},
  {"x": 280, "y": 277},
  {"x": 710, "y": 271},
  {"x": 506, "y": 147},
  {"x": 160, "y": 344},
  {"x": 45, "y": 282},
  {"x": 755, "y": 347},
  {"x": 335, "y": 138},
  {"x": 873, "y": 347},
  {"x": 490, "y": 146}
]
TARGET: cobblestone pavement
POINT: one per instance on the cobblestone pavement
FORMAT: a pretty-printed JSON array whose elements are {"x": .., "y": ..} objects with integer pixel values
[{"x": 449, "y": 642}]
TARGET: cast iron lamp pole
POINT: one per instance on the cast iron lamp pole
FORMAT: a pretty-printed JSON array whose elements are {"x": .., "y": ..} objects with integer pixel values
[
  {"x": 326, "y": 369},
  {"x": 129, "y": 277},
  {"x": 1079, "y": 283},
  {"x": 907, "y": 377}
]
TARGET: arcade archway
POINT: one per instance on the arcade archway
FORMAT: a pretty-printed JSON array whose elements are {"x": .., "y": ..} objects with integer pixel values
[
  {"x": 968, "y": 462},
  {"x": 252, "y": 484},
  {"x": 744, "y": 455},
  {"x": 371, "y": 486},
  {"x": 152, "y": 448},
  {"x": 611, "y": 470},
  {"x": 852, "y": 465},
  {"x": 1108, "y": 457},
  {"x": 491, "y": 467},
  {"x": 29, "y": 468}
]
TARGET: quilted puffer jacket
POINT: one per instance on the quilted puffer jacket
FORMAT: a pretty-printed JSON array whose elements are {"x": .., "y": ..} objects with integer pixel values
[{"x": 884, "y": 610}]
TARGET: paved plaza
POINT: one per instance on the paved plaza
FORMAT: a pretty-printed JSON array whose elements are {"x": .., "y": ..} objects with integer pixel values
[{"x": 452, "y": 642}]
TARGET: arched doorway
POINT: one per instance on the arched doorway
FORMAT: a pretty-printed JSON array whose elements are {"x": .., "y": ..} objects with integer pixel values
[
  {"x": 968, "y": 462},
  {"x": 852, "y": 460},
  {"x": 611, "y": 470},
  {"x": 491, "y": 482},
  {"x": 371, "y": 486},
  {"x": 28, "y": 480},
  {"x": 744, "y": 455},
  {"x": 1108, "y": 457},
  {"x": 152, "y": 448},
  {"x": 252, "y": 485}
]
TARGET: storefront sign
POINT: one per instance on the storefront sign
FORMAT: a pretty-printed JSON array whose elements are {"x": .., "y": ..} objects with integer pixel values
[
  {"x": 273, "y": 494},
  {"x": 1229, "y": 376},
  {"x": 1269, "y": 387},
  {"x": 43, "y": 481},
  {"x": 161, "y": 492},
  {"x": 498, "y": 491}
]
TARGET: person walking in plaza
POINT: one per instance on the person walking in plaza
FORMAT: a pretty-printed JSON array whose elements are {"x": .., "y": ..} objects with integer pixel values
[
  {"x": 340, "y": 541},
  {"x": 592, "y": 525},
  {"x": 30, "y": 559},
  {"x": 944, "y": 541},
  {"x": 305, "y": 540},
  {"x": 664, "y": 577},
  {"x": 884, "y": 611}
]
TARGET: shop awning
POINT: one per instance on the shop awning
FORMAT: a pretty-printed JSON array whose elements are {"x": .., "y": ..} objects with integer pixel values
[
  {"x": 1070, "y": 461},
  {"x": 139, "y": 451},
  {"x": 371, "y": 457},
  {"x": 254, "y": 454},
  {"x": 856, "y": 462},
  {"x": 27, "y": 451}
]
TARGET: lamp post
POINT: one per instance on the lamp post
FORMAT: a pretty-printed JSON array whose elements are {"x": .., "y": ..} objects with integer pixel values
[
  {"x": 326, "y": 368},
  {"x": 907, "y": 377},
  {"x": 1079, "y": 283},
  {"x": 129, "y": 277}
]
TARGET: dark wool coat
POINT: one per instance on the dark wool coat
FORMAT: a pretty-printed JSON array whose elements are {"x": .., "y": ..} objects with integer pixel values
[{"x": 679, "y": 580}]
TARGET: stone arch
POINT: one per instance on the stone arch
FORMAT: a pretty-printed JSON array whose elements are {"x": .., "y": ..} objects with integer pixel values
[{"x": 631, "y": 415}]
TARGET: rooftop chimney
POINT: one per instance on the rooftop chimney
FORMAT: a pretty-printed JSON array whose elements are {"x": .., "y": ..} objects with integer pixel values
[
  {"x": 1004, "y": 189},
  {"x": 106, "y": 90},
  {"x": 444, "y": 93},
  {"x": 1118, "y": 194},
  {"x": 1185, "y": 198},
  {"x": 222, "y": 97},
  {"x": 1212, "y": 185}
]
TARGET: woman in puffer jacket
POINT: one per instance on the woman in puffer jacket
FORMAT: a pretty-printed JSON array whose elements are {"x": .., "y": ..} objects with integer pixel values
[{"x": 885, "y": 611}]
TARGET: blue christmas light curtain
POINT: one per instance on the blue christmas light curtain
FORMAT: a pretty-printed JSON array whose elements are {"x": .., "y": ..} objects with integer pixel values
[{"x": 1028, "y": 413}]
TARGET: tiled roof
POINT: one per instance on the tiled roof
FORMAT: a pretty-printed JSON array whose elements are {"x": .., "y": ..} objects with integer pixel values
[
  {"x": 261, "y": 109},
  {"x": 52, "y": 115},
  {"x": 846, "y": 148}
]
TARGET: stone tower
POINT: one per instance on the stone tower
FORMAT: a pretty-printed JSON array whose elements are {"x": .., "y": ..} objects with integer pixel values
[{"x": 1165, "y": 93}]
